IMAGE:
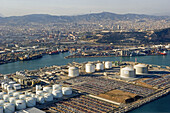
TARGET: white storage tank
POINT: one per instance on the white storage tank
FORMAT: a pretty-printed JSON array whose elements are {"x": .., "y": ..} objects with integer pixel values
[
  {"x": 16, "y": 94},
  {"x": 17, "y": 86},
  {"x": 57, "y": 93},
  {"x": 67, "y": 91},
  {"x": 108, "y": 65},
  {"x": 22, "y": 96},
  {"x": 73, "y": 71},
  {"x": 1, "y": 102},
  {"x": 30, "y": 102},
  {"x": 141, "y": 69},
  {"x": 1, "y": 94},
  {"x": 9, "y": 108},
  {"x": 20, "y": 104},
  {"x": 127, "y": 72},
  {"x": 40, "y": 99},
  {"x": 38, "y": 87},
  {"x": 12, "y": 100},
  {"x": 90, "y": 68},
  {"x": 1, "y": 109},
  {"x": 2, "y": 84},
  {"x": 40, "y": 93},
  {"x": 57, "y": 87},
  {"x": 5, "y": 86},
  {"x": 48, "y": 97},
  {"x": 99, "y": 67},
  {"x": 47, "y": 89},
  {"x": 6, "y": 97}
]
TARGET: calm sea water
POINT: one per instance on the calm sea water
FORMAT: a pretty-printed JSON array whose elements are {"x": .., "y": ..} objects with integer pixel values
[{"x": 160, "y": 105}]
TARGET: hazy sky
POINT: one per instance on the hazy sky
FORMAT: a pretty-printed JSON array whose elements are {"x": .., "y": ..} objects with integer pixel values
[{"x": 74, "y": 7}]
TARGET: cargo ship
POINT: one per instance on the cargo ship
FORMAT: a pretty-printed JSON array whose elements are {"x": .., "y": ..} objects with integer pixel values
[
  {"x": 53, "y": 52},
  {"x": 163, "y": 53},
  {"x": 31, "y": 57}
]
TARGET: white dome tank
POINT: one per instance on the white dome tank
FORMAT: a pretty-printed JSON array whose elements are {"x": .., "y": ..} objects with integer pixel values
[
  {"x": 57, "y": 87},
  {"x": 99, "y": 67},
  {"x": 67, "y": 91},
  {"x": 2, "y": 84},
  {"x": 2, "y": 102},
  {"x": 12, "y": 100},
  {"x": 47, "y": 89},
  {"x": 38, "y": 87},
  {"x": 73, "y": 71},
  {"x": 57, "y": 93},
  {"x": 127, "y": 72},
  {"x": 33, "y": 95},
  {"x": 90, "y": 68},
  {"x": 17, "y": 86},
  {"x": 48, "y": 97},
  {"x": 30, "y": 102},
  {"x": 108, "y": 65},
  {"x": 1, "y": 109},
  {"x": 12, "y": 83},
  {"x": 141, "y": 69},
  {"x": 9, "y": 108},
  {"x": 10, "y": 93},
  {"x": 40, "y": 93},
  {"x": 5, "y": 86},
  {"x": 6, "y": 97},
  {"x": 20, "y": 104},
  {"x": 16, "y": 94},
  {"x": 1, "y": 94},
  {"x": 22, "y": 96},
  {"x": 40, "y": 99}
]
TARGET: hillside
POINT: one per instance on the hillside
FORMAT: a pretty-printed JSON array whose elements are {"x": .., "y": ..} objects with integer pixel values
[{"x": 46, "y": 19}]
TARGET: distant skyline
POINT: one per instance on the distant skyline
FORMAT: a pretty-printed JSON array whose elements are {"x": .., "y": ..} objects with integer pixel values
[{"x": 77, "y": 7}]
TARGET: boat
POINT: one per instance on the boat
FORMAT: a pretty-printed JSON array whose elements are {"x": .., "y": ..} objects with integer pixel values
[
  {"x": 53, "y": 52},
  {"x": 163, "y": 53}
]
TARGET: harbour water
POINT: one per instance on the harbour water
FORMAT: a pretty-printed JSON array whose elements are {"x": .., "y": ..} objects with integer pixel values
[{"x": 160, "y": 105}]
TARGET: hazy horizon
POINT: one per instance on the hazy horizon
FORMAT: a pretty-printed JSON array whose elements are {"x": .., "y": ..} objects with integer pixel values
[{"x": 77, "y": 7}]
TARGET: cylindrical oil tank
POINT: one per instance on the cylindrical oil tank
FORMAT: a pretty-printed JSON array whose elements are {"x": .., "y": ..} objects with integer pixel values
[
  {"x": 1, "y": 109},
  {"x": 40, "y": 99},
  {"x": 99, "y": 67},
  {"x": 90, "y": 68},
  {"x": 47, "y": 89},
  {"x": 9, "y": 108},
  {"x": 20, "y": 104},
  {"x": 108, "y": 65},
  {"x": 48, "y": 97},
  {"x": 2, "y": 84},
  {"x": 1, "y": 94},
  {"x": 30, "y": 102},
  {"x": 5, "y": 77},
  {"x": 40, "y": 93},
  {"x": 5, "y": 86},
  {"x": 38, "y": 87},
  {"x": 17, "y": 86},
  {"x": 73, "y": 71},
  {"x": 127, "y": 72},
  {"x": 67, "y": 91},
  {"x": 33, "y": 95},
  {"x": 6, "y": 97},
  {"x": 16, "y": 94},
  {"x": 2, "y": 102},
  {"x": 12, "y": 83},
  {"x": 57, "y": 87},
  {"x": 22, "y": 96},
  {"x": 141, "y": 69},
  {"x": 57, "y": 93},
  {"x": 12, "y": 100}
]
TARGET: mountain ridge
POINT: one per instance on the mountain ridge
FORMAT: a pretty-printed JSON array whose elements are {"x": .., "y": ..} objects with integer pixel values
[{"x": 46, "y": 18}]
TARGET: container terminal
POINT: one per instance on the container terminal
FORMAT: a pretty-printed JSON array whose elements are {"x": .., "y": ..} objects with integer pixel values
[{"x": 94, "y": 87}]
